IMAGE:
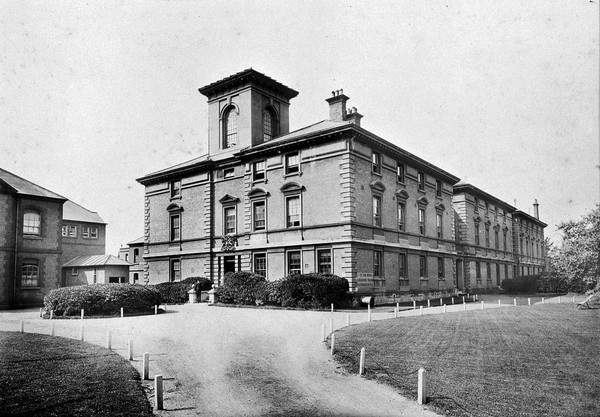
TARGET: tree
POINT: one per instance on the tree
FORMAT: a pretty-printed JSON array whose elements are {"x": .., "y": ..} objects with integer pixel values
[{"x": 577, "y": 260}]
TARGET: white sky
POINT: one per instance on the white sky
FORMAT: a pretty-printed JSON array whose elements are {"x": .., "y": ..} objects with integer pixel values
[{"x": 502, "y": 94}]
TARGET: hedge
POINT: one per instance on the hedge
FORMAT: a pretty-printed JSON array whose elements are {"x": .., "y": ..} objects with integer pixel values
[
  {"x": 177, "y": 292},
  {"x": 102, "y": 299},
  {"x": 241, "y": 288},
  {"x": 310, "y": 291}
]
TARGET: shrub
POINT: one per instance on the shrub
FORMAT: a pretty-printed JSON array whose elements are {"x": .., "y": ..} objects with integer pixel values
[
  {"x": 177, "y": 292},
  {"x": 519, "y": 285},
  {"x": 102, "y": 299},
  {"x": 311, "y": 290},
  {"x": 242, "y": 288}
]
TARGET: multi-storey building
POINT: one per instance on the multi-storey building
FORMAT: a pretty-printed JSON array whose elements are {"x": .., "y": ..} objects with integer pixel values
[
  {"x": 330, "y": 197},
  {"x": 132, "y": 253},
  {"x": 528, "y": 241}
]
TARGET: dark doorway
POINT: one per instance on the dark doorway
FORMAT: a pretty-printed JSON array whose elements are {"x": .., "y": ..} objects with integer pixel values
[
  {"x": 460, "y": 274},
  {"x": 228, "y": 264}
]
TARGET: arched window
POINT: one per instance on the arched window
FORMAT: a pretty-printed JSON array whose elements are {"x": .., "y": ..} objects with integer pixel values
[
  {"x": 32, "y": 222},
  {"x": 136, "y": 256},
  {"x": 230, "y": 127},
  {"x": 30, "y": 273},
  {"x": 269, "y": 124}
]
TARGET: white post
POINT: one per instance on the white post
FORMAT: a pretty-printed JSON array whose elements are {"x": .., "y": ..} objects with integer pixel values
[
  {"x": 482, "y": 305},
  {"x": 22, "y": 326},
  {"x": 559, "y": 299},
  {"x": 108, "y": 339},
  {"x": 332, "y": 307},
  {"x": 543, "y": 300},
  {"x": 463, "y": 299},
  {"x": 145, "y": 366},
  {"x": 348, "y": 319},
  {"x": 81, "y": 332},
  {"x": 499, "y": 303},
  {"x": 332, "y": 343},
  {"x": 422, "y": 391},
  {"x": 428, "y": 303},
  {"x": 51, "y": 314},
  {"x": 414, "y": 305},
  {"x": 369, "y": 312},
  {"x": 441, "y": 301},
  {"x": 452, "y": 300},
  {"x": 514, "y": 301},
  {"x": 444, "y": 308},
  {"x": 361, "y": 368},
  {"x": 476, "y": 297},
  {"x": 155, "y": 309},
  {"x": 573, "y": 299},
  {"x": 529, "y": 301},
  {"x": 323, "y": 333},
  {"x": 130, "y": 349},
  {"x": 421, "y": 309},
  {"x": 42, "y": 308},
  {"x": 82, "y": 314},
  {"x": 464, "y": 307},
  {"x": 51, "y": 329},
  {"x": 122, "y": 312},
  {"x": 396, "y": 310},
  {"x": 165, "y": 307},
  {"x": 158, "y": 392}
]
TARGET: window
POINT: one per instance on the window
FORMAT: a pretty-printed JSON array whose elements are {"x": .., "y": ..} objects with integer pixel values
[
  {"x": 93, "y": 232},
  {"x": 294, "y": 259},
  {"x": 259, "y": 215},
  {"x": 229, "y": 223},
  {"x": 136, "y": 256},
  {"x": 85, "y": 232},
  {"x": 401, "y": 216},
  {"x": 487, "y": 237},
  {"x": 478, "y": 271},
  {"x": 421, "y": 181},
  {"x": 136, "y": 278},
  {"x": 377, "y": 211},
  {"x": 422, "y": 221},
  {"x": 377, "y": 264},
  {"x": 489, "y": 271},
  {"x": 74, "y": 271},
  {"x": 496, "y": 239},
  {"x": 32, "y": 223},
  {"x": 175, "y": 227},
  {"x": 228, "y": 172},
  {"x": 505, "y": 271},
  {"x": 65, "y": 231},
  {"x": 476, "y": 205},
  {"x": 402, "y": 265},
  {"x": 258, "y": 171},
  {"x": 400, "y": 172},
  {"x": 438, "y": 225},
  {"x": 269, "y": 125},
  {"x": 423, "y": 266},
  {"x": 324, "y": 261},
  {"x": 498, "y": 274},
  {"x": 72, "y": 231},
  {"x": 438, "y": 188},
  {"x": 260, "y": 264},
  {"x": 440, "y": 268},
  {"x": 175, "y": 188},
  {"x": 293, "y": 211},
  {"x": 30, "y": 273},
  {"x": 127, "y": 257},
  {"x": 292, "y": 163},
  {"x": 175, "y": 270},
  {"x": 505, "y": 241},
  {"x": 477, "y": 235},
  {"x": 376, "y": 159},
  {"x": 230, "y": 128}
]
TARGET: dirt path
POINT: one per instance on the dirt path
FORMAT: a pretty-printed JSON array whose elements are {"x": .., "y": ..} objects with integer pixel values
[{"x": 238, "y": 362}]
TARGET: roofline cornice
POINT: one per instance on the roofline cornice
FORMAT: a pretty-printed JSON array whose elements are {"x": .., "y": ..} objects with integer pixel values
[{"x": 480, "y": 193}]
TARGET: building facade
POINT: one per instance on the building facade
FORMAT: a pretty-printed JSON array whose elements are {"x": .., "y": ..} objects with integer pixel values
[
  {"x": 132, "y": 253},
  {"x": 96, "y": 269}
]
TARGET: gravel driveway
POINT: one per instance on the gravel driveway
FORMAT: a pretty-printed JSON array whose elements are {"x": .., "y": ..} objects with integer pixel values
[{"x": 219, "y": 361}]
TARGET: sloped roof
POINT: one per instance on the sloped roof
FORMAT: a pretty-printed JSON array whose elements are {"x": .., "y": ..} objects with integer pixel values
[
  {"x": 247, "y": 76},
  {"x": 25, "y": 187},
  {"x": 137, "y": 241},
  {"x": 75, "y": 212},
  {"x": 96, "y": 260}
]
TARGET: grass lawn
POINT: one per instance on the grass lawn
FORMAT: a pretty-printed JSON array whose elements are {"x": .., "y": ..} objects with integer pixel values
[
  {"x": 519, "y": 361},
  {"x": 53, "y": 376}
]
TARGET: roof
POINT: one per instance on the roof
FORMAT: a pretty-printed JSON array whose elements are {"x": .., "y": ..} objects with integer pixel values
[
  {"x": 25, "y": 187},
  {"x": 247, "y": 77},
  {"x": 137, "y": 241},
  {"x": 96, "y": 260},
  {"x": 529, "y": 217},
  {"x": 463, "y": 186},
  {"x": 75, "y": 212}
]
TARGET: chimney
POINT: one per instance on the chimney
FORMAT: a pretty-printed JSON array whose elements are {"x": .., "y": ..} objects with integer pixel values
[
  {"x": 337, "y": 105},
  {"x": 536, "y": 209},
  {"x": 354, "y": 116}
]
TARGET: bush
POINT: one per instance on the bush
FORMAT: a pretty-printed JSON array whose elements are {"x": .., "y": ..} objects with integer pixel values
[
  {"x": 242, "y": 288},
  {"x": 102, "y": 299},
  {"x": 311, "y": 290},
  {"x": 521, "y": 285},
  {"x": 177, "y": 292}
]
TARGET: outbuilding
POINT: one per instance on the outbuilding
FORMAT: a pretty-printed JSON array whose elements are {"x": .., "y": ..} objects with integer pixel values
[{"x": 96, "y": 269}]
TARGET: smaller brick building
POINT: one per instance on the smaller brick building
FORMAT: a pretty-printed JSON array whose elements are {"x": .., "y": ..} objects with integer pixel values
[{"x": 133, "y": 254}]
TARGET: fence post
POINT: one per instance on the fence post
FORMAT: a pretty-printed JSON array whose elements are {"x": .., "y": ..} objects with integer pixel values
[
  {"x": 51, "y": 314},
  {"x": 155, "y": 309},
  {"x": 463, "y": 299},
  {"x": 414, "y": 305},
  {"x": 122, "y": 312},
  {"x": 559, "y": 299},
  {"x": 108, "y": 341},
  {"x": 528, "y": 301},
  {"x": 499, "y": 302},
  {"x": 422, "y": 390},
  {"x": 332, "y": 343},
  {"x": 515, "y": 301},
  {"x": 81, "y": 332},
  {"x": 145, "y": 366},
  {"x": 441, "y": 301},
  {"x": 361, "y": 368},
  {"x": 82, "y": 314},
  {"x": 428, "y": 303},
  {"x": 42, "y": 308},
  {"x": 543, "y": 300},
  {"x": 452, "y": 300},
  {"x": 482, "y": 305},
  {"x": 369, "y": 312},
  {"x": 464, "y": 307},
  {"x": 21, "y": 326},
  {"x": 444, "y": 308},
  {"x": 348, "y": 319},
  {"x": 573, "y": 299},
  {"x": 51, "y": 329},
  {"x": 158, "y": 392},
  {"x": 332, "y": 307},
  {"x": 130, "y": 349},
  {"x": 396, "y": 310},
  {"x": 421, "y": 309}
]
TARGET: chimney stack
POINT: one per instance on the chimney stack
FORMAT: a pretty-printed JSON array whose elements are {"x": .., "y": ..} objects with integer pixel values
[
  {"x": 337, "y": 106},
  {"x": 536, "y": 209},
  {"x": 354, "y": 116}
]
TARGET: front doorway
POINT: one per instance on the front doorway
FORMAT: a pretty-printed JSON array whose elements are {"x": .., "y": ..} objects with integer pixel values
[{"x": 228, "y": 264}]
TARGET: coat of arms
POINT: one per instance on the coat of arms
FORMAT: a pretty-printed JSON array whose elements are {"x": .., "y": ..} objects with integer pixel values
[{"x": 228, "y": 243}]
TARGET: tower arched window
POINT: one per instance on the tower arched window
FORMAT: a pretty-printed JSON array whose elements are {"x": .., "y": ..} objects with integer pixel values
[
  {"x": 269, "y": 124},
  {"x": 230, "y": 122}
]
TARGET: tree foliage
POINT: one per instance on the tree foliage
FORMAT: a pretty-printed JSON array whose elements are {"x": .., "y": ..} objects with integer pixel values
[{"x": 577, "y": 260}]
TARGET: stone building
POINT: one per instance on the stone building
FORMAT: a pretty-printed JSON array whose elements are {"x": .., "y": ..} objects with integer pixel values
[{"x": 132, "y": 253}]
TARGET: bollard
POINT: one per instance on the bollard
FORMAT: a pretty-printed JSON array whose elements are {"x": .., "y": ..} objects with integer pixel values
[
  {"x": 332, "y": 343},
  {"x": 421, "y": 309},
  {"x": 463, "y": 299},
  {"x": 515, "y": 302},
  {"x": 145, "y": 366},
  {"x": 421, "y": 392},
  {"x": 42, "y": 308},
  {"x": 51, "y": 314},
  {"x": 348, "y": 319},
  {"x": 108, "y": 340},
  {"x": 464, "y": 307},
  {"x": 369, "y": 313},
  {"x": 165, "y": 307},
  {"x": 559, "y": 299},
  {"x": 130, "y": 349},
  {"x": 331, "y": 325},
  {"x": 499, "y": 303},
  {"x": 361, "y": 368},
  {"x": 476, "y": 297},
  {"x": 529, "y": 301},
  {"x": 396, "y": 310},
  {"x": 122, "y": 315},
  {"x": 332, "y": 307},
  {"x": 482, "y": 305},
  {"x": 444, "y": 308},
  {"x": 81, "y": 332},
  {"x": 414, "y": 305},
  {"x": 428, "y": 303},
  {"x": 452, "y": 300},
  {"x": 82, "y": 314},
  {"x": 21, "y": 326},
  {"x": 573, "y": 299},
  {"x": 158, "y": 392},
  {"x": 441, "y": 301},
  {"x": 155, "y": 309},
  {"x": 323, "y": 333},
  {"x": 543, "y": 300},
  {"x": 51, "y": 329}
]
